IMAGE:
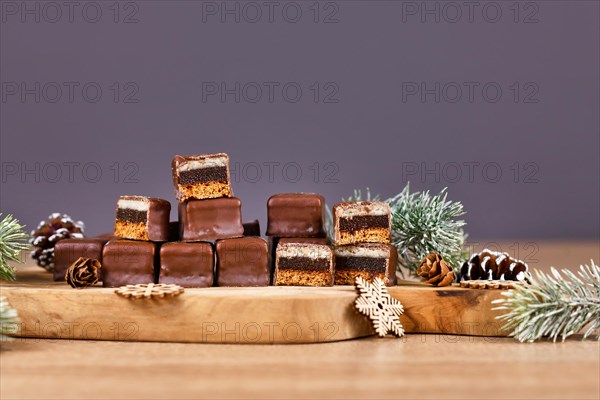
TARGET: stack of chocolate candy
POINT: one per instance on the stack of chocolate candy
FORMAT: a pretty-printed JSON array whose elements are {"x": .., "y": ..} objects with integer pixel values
[
  {"x": 208, "y": 245},
  {"x": 209, "y": 212},
  {"x": 362, "y": 235},
  {"x": 303, "y": 256},
  {"x": 141, "y": 226}
]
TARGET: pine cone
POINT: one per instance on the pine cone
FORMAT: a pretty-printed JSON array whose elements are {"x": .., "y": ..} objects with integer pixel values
[
  {"x": 435, "y": 270},
  {"x": 493, "y": 265},
  {"x": 83, "y": 272},
  {"x": 48, "y": 233}
]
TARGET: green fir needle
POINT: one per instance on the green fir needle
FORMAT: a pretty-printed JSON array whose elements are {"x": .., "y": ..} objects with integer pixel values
[{"x": 12, "y": 242}]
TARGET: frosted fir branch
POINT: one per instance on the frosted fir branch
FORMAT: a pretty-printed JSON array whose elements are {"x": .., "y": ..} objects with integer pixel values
[
  {"x": 8, "y": 317},
  {"x": 554, "y": 305},
  {"x": 423, "y": 223},
  {"x": 12, "y": 241},
  {"x": 358, "y": 196}
]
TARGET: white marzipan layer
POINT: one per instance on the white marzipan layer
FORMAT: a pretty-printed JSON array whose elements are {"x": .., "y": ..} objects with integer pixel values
[
  {"x": 361, "y": 251},
  {"x": 204, "y": 163},
  {"x": 289, "y": 250},
  {"x": 138, "y": 205},
  {"x": 352, "y": 210}
]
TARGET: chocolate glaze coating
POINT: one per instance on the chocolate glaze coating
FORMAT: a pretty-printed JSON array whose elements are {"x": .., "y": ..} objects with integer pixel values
[
  {"x": 129, "y": 262},
  {"x": 158, "y": 220},
  {"x": 187, "y": 264},
  {"x": 68, "y": 251},
  {"x": 296, "y": 215},
  {"x": 211, "y": 219},
  {"x": 242, "y": 262}
]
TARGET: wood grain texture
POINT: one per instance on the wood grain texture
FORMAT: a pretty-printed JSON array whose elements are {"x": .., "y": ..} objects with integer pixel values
[
  {"x": 238, "y": 315},
  {"x": 428, "y": 366},
  {"x": 418, "y": 366}
]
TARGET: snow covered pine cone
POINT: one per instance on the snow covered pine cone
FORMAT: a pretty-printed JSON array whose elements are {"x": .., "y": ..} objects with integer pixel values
[
  {"x": 434, "y": 270},
  {"x": 48, "y": 233},
  {"x": 493, "y": 265}
]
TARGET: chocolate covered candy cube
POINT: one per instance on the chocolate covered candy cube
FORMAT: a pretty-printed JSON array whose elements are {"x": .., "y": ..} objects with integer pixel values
[
  {"x": 142, "y": 218},
  {"x": 205, "y": 220},
  {"x": 129, "y": 262},
  {"x": 368, "y": 260},
  {"x": 187, "y": 264},
  {"x": 201, "y": 176},
  {"x": 242, "y": 262},
  {"x": 303, "y": 264},
  {"x": 67, "y": 251},
  {"x": 296, "y": 215},
  {"x": 361, "y": 222},
  {"x": 276, "y": 241}
]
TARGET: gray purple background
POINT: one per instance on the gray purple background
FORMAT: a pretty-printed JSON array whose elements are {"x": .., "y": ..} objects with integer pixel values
[{"x": 525, "y": 162}]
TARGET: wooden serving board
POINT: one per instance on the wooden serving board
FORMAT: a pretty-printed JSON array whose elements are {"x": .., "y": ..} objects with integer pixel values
[{"x": 237, "y": 315}]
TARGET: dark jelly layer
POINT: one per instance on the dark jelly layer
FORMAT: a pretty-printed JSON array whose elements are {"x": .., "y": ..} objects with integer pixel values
[
  {"x": 129, "y": 215},
  {"x": 303, "y": 263},
  {"x": 361, "y": 264},
  {"x": 363, "y": 222},
  {"x": 203, "y": 175}
]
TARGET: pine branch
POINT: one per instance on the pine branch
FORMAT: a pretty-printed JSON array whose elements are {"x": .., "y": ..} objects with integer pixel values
[
  {"x": 554, "y": 305},
  {"x": 8, "y": 317},
  {"x": 421, "y": 224},
  {"x": 12, "y": 242}
]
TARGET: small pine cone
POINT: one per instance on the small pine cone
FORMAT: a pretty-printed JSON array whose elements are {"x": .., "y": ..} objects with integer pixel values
[
  {"x": 48, "y": 233},
  {"x": 434, "y": 270},
  {"x": 83, "y": 272},
  {"x": 493, "y": 265}
]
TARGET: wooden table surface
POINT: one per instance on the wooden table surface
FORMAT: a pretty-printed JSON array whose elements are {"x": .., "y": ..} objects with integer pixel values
[{"x": 418, "y": 366}]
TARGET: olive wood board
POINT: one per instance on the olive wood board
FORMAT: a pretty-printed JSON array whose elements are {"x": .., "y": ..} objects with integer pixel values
[{"x": 276, "y": 314}]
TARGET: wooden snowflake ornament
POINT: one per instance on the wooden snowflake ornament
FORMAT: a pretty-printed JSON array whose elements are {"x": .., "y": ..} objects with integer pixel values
[
  {"x": 149, "y": 290},
  {"x": 375, "y": 302}
]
